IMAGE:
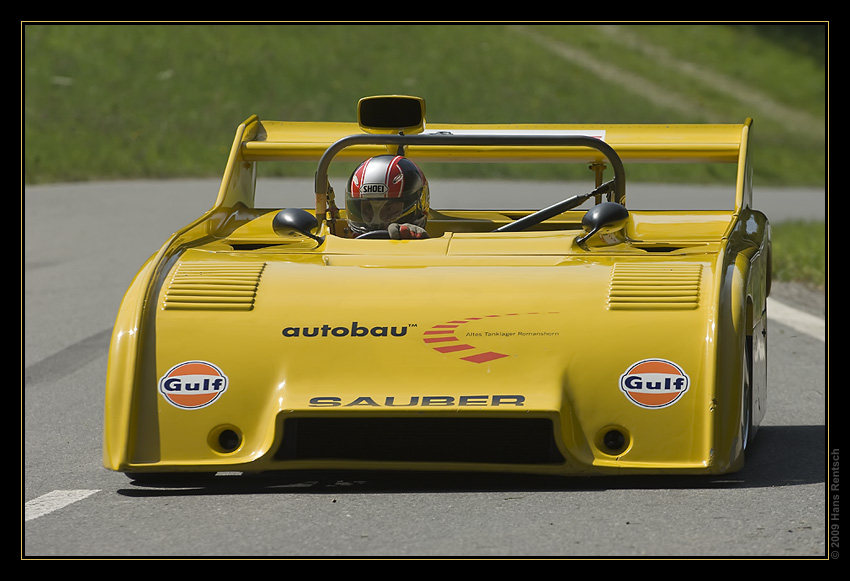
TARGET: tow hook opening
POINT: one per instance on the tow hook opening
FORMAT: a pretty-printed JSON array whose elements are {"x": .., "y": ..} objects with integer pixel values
[
  {"x": 613, "y": 440},
  {"x": 225, "y": 439}
]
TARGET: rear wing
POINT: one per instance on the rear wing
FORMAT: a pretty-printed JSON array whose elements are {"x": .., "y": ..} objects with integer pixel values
[
  {"x": 303, "y": 141},
  {"x": 384, "y": 116}
]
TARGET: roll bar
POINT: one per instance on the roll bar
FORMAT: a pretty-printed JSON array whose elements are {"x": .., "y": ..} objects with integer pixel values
[{"x": 322, "y": 186}]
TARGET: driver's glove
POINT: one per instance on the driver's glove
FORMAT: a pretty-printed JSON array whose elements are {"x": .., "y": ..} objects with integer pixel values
[{"x": 406, "y": 231}]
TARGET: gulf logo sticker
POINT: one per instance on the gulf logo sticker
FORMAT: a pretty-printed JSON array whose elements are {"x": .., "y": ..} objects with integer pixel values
[
  {"x": 193, "y": 385},
  {"x": 654, "y": 383}
]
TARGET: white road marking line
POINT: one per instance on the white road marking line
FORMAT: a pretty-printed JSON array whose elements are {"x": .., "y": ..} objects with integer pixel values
[
  {"x": 797, "y": 320},
  {"x": 47, "y": 503}
]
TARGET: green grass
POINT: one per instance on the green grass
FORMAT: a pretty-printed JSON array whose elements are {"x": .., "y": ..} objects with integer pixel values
[
  {"x": 163, "y": 100},
  {"x": 799, "y": 252}
]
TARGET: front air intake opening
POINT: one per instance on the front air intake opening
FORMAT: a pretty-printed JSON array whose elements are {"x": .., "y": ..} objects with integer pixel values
[{"x": 417, "y": 439}]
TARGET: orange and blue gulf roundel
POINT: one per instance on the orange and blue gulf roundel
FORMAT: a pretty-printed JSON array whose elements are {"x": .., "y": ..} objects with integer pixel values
[
  {"x": 193, "y": 385},
  {"x": 654, "y": 383}
]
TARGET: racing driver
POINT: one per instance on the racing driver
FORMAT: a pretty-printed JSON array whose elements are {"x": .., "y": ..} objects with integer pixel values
[{"x": 388, "y": 193}]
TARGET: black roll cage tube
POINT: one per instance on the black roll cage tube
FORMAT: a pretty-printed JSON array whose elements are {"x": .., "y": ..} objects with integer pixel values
[{"x": 617, "y": 186}]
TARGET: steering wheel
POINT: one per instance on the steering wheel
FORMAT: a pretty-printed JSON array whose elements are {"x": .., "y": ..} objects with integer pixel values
[{"x": 375, "y": 234}]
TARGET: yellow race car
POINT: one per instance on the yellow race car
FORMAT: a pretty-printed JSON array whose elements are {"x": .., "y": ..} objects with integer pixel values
[{"x": 381, "y": 333}]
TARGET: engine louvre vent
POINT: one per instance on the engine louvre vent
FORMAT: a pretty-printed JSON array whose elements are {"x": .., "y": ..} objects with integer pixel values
[
  {"x": 213, "y": 286},
  {"x": 654, "y": 287}
]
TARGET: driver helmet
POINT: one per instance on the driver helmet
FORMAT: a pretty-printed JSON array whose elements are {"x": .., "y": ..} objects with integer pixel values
[{"x": 383, "y": 190}]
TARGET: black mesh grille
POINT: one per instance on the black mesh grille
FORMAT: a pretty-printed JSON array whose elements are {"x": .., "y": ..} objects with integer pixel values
[{"x": 417, "y": 439}]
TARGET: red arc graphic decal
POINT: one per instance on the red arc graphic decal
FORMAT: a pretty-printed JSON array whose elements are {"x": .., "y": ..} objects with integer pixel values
[{"x": 442, "y": 338}]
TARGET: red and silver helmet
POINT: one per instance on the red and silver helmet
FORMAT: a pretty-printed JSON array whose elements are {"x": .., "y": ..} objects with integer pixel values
[{"x": 383, "y": 190}]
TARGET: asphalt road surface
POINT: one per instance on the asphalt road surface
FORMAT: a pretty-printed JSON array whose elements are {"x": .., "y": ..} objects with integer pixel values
[{"x": 82, "y": 245}]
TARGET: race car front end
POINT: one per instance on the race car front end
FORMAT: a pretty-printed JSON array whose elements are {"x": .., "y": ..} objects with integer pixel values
[{"x": 428, "y": 356}]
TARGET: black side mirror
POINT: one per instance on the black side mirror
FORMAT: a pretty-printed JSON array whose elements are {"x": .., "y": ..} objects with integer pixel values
[
  {"x": 295, "y": 221},
  {"x": 603, "y": 218}
]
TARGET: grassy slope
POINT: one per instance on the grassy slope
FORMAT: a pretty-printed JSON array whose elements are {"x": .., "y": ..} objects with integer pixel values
[{"x": 104, "y": 101}]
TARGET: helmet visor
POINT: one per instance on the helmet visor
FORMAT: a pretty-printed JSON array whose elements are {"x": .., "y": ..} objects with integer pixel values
[{"x": 376, "y": 214}]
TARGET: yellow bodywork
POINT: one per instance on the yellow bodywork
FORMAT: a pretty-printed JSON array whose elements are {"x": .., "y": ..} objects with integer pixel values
[{"x": 471, "y": 350}]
